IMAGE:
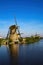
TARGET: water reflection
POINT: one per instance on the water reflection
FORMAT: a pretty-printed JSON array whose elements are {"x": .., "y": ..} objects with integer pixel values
[
  {"x": 16, "y": 54},
  {"x": 14, "y": 50},
  {"x": 4, "y": 55}
]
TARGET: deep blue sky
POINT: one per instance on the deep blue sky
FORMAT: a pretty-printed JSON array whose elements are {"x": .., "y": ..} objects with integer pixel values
[{"x": 29, "y": 15}]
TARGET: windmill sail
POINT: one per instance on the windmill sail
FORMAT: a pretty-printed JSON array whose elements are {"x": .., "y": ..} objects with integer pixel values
[
  {"x": 8, "y": 35},
  {"x": 17, "y": 27}
]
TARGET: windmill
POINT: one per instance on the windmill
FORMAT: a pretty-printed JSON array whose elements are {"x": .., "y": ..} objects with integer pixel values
[{"x": 14, "y": 33}]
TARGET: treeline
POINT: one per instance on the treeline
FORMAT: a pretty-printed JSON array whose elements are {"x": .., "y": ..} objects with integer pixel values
[
  {"x": 2, "y": 40},
  {"x": 32, "y": 39},
  {"x": 41, "y": 37}
]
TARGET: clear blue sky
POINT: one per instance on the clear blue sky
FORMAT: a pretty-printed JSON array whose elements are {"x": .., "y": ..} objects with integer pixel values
[{"x": 29, "y": 15}]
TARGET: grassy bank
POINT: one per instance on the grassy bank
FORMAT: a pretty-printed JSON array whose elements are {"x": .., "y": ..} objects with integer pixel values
[
  {"x": 2, "y": 41},
  {"x": 27, "y": 40},
  {"x": 32, "y": 39}
]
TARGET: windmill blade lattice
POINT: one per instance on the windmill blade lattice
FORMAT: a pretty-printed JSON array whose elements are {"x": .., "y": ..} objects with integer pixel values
[{"x": 17, "y": 27}]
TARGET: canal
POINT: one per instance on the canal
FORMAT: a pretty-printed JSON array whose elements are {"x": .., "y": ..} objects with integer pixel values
[{"x": 28, "y": 54}]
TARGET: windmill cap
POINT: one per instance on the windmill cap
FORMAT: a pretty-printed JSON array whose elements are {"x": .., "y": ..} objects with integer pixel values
[{"x": 12, "y": 27}]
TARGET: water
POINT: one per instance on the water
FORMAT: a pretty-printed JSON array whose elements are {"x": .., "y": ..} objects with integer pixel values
[{"x": 31, "y": 54}]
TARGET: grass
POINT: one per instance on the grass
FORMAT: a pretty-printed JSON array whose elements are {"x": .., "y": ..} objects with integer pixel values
[
  {"x": 32, "y": 39},
  {"x": 28, "y": 40}
]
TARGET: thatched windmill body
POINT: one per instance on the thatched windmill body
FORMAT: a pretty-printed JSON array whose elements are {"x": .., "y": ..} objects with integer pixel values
[{"x": 14, "y": 33}]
